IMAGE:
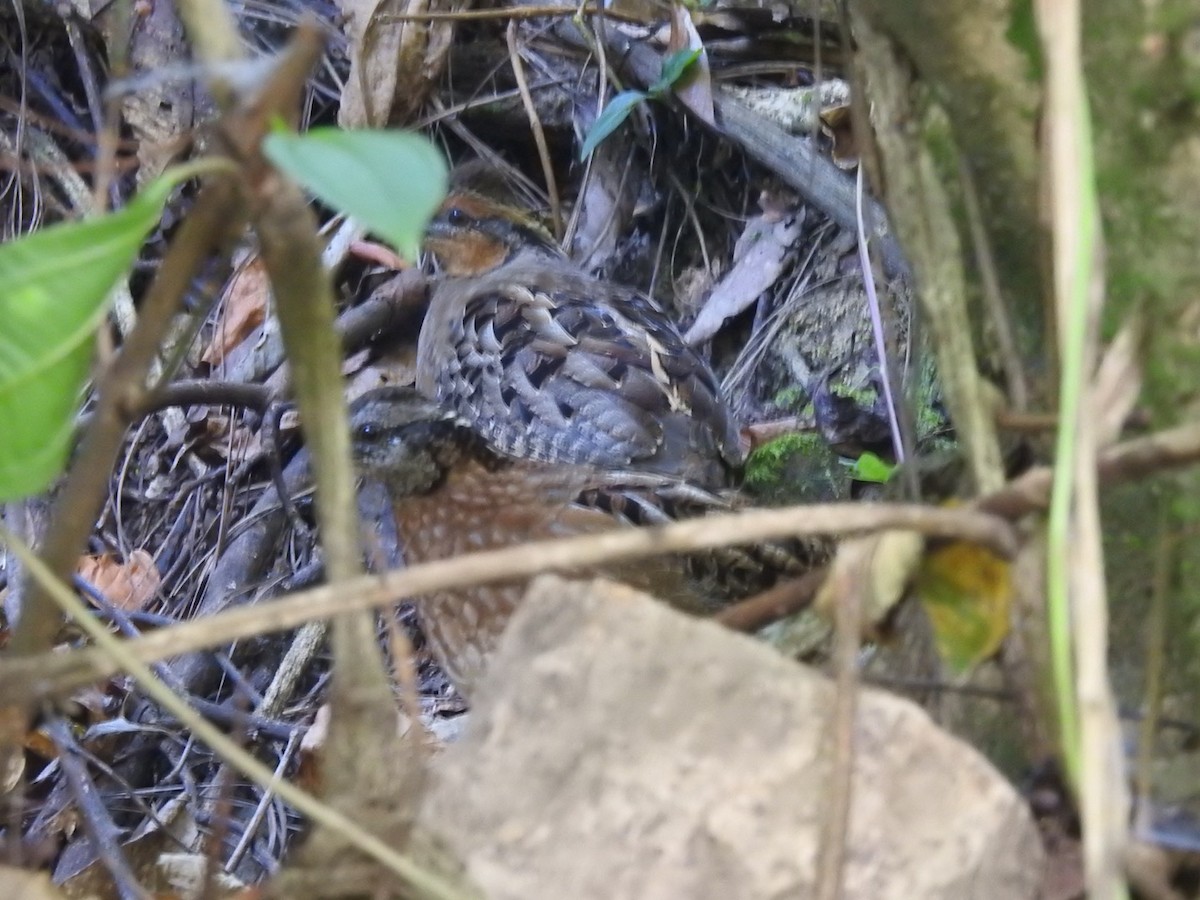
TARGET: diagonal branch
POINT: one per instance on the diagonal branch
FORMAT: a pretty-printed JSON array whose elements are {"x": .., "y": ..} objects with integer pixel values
[
  {"x": 39, "y": 677},
  {"x": 25, "y": 679}
]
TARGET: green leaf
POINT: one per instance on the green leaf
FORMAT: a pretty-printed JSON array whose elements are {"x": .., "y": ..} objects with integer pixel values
[
  {"x": 54, "y": 288},
  {"x": 617, "y": 111},
  {"x": 673, "y": 68},
  {"x": 870, "y": 467},
  {"x": 390, "y": 181},
  {"x": 622, "y": 105}
]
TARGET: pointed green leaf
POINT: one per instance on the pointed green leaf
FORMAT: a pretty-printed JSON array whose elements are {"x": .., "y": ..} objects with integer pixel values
[
  {"x": 870, "y": 467},
  {"x": 54, "y": 287},
  {"x": 673, "y": 68},
  {"x": 390, "y": 181},
  {"x": 617, "y": 111}
]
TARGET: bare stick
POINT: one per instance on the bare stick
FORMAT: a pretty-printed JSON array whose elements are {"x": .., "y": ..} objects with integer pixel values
[
  {"x": 423, "y": 882},
  {"x": 535, "y": 125},
  {"x": 45, "y": 675},
  {"x": 101, "y": 830}
]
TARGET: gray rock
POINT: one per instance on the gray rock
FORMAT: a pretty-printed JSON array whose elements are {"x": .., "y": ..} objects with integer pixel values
[{"x": 623, "y": 750}]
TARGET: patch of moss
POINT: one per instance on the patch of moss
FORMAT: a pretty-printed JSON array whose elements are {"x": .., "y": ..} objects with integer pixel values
[
  {"x": 788, "y": 397},
  {"x": 765, "y": 464},
  {"x": 930, "y": 417},
  {"x": 794, "y": 468},
  {"x": 864, "y": 397}
]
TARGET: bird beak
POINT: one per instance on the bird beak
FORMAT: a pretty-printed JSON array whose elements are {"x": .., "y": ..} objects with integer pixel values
[{"x": 438, "y": 229}]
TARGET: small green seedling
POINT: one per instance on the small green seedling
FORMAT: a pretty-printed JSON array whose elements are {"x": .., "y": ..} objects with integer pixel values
[{"x": 620, "y": 106}]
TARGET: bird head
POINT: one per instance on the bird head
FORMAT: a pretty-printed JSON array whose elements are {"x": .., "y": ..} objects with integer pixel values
[
  {"x": 473, "y": 233},
  {"x": 403, "y": 440}
]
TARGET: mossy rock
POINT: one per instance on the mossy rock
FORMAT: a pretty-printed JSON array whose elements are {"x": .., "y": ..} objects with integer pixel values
[{"x": 795, "y": 468}]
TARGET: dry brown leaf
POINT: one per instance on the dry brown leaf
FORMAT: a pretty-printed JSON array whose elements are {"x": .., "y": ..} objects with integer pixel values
[
  {"x": 162, "y": 113},
  {"x": 393, "y": 64},
  {"x": 188, "y": 874},
  {"x": 1118, "y": 383},
  {"x": 758, "y": 263},
  {"x": 13, "y": 725},
  {"x": 244, "y": 310},
  {"x": 836, "y": 123},
  {"x": 227, "y": 439},
  {"x": 694, "y": 89},
  {"x": 374, "y": 63},
  {"x": 128, "y": 585}
]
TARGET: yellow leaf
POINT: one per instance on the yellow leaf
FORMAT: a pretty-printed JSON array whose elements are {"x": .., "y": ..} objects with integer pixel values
[{"x": 966, "y": 591}]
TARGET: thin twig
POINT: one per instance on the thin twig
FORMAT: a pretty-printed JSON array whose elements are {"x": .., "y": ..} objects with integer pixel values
[
  {"x": 30, "y": 678},
  {"x": 8, "y": 162},
  {"x": 689, "y": 209},
  {"x": 535, "y": 125},
  {"x": 199, "y": 392},
  {"x": 519, "y": 12},
  {"x": 773, "y": 604},
  {"x": 430, "y": 884},
  {"x": 1128, "y": 461},
  {"x": 40, "y": 677},
  {"x": 106, "y": 145},
  {"x": 101, "y": 830},
  {"x": 219, "y": 811},
  {"x": 993, "y": 298},
  {"x": 1026, "y": 422},
  {"x": 442, "y": 113},
  {"x": 361, "y": 700},
  {"x": 264, "y": 802},
  {"x": 80, "y": 135},
  {"x": 404, "y": 669},
  {"x": 848, "y": 612},
  {"x": 881, "y": 349}
]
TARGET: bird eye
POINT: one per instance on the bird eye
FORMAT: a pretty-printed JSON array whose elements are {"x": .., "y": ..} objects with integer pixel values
[
  {"x": 455, "y": 215},
  {"x": 368, "y": 433}
]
